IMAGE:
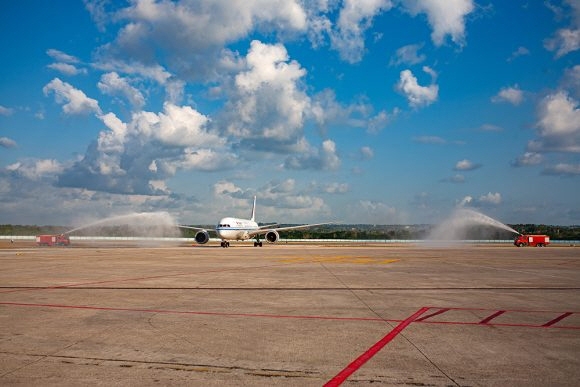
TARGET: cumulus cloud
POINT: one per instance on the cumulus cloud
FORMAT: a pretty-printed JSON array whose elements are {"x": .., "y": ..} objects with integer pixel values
[
  {"x": 65, "y": 63},
  {"x": 324, "y": 158},
  {"x": 466, "y": 165},
  {"x": 73, "y": 100},
  {"x": 558, "y": 125},
  {"x": 417, "y": 95},
  {"x": 446, "y": 17},
  {"x": 490, "y": 198},
  {"x": 513, "y": 95},
  {"x": 355, "y": 17},
  {"x": 528, "y": 158},
  {"x": 6, "y": 142},
  {"x": 134, "y": 157},
  {"x": 112, "y": 84},
  {"x": 466, "y": 201},
  {"x": 277, "y": 201},
  {"x": 565, "y": 40},
  {"x": 35, "y": 169},
  {"x": 335, "y": 188},
  {"x": 192, "y": 34},
  {"x": 267, "y": 102}
]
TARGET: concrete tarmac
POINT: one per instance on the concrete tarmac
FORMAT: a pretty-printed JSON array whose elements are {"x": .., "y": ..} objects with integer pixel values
[{"x": 289, "y": 315}]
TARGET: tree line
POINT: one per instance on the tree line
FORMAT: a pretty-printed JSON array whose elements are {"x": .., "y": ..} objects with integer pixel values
[{"x": 357, "y": 231}]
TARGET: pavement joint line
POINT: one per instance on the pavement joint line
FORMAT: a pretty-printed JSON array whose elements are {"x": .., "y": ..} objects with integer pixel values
[{"x": 549, "y": 325}]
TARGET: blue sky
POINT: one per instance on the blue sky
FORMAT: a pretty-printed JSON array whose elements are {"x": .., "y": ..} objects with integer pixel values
[{"x": 374, "y": 111}]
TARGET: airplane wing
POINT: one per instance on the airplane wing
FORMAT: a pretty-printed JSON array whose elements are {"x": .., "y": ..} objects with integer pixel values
[
  {"x": 265, "y": 229},
  {"x": 196, "y": 228}
]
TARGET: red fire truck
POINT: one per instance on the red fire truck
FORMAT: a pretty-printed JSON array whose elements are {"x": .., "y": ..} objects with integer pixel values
[
  {"x": 52, "y": 240},
  {"x": 532, "y": 240}
]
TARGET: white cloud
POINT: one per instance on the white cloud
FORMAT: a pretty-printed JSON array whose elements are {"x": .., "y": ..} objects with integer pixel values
[
  {"x": 563, "y": 169},
  {"x": 4, "y": 111},
  {"x": 465, "y": 201},
  {"x": 513, "y": 95},
  {"x": 408, "y": 55},
  {"x": 416, "y": 94},
  {"x": 267, "y": 102},
  {"x": 466, "y": 165},
  {"x": 381, "y": 120},
  {"x": 74, "y": 101},
  {"x": 367, "y": 152},
  {"x": 558, "y": 125},
  {"x": 490, "y": 198},
  {"x": 324, "y": 158},
  {"x": 192, "y": 34},
  {"x": 62, "y": 57},
  {"x": 520, "y": 51},
  {"x": 446, "y": 17},
  {"x": 67, "y": 68},
  {"x": 354, "y": 18},
  {"x": 335, "y": 188},
  {"x": 137, "y": 156},
  {"x": 528, "y": 158},
  {"x": 6, "y": 142},
  {"x": 564, "y": 41},
  {"x": 36, "y": 169},
  {"x": 326, "y": 111},
  {"x": 112, "y": 84},
  {"x": 571, "y": 80}
]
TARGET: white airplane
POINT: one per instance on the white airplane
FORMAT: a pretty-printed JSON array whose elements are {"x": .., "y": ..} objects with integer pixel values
[{"x": 235, "y": 229}]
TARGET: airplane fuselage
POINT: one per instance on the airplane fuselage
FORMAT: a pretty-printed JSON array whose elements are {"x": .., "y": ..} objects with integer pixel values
[{"x": 235, "y": 229}]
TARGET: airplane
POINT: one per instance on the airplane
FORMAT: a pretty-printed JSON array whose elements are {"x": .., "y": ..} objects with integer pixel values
[{"x": 235, "y": 229}]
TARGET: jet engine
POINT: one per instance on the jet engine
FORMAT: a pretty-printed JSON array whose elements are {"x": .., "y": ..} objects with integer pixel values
[
  {"x": 202, "y": 237},
  {"x": 272, "y": 236}
]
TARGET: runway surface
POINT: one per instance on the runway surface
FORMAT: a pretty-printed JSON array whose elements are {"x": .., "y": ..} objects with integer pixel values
[{"x": 290, "y": 315}]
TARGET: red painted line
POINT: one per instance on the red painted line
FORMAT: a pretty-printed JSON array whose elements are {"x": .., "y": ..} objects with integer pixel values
[
  {"x": 440, "y": 311},
  {"x": 491, "y": 317},
  {"x": 305, "y": 317},
  {"x": 372, "y": 351},
  {"x": 557, "y": 319},
  {"x": 507, "y": 310},
  {"x": 497, "y": 324}
]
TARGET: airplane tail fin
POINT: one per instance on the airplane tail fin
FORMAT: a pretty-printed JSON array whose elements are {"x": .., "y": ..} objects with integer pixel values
[{"x": 253, "y": 218}]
